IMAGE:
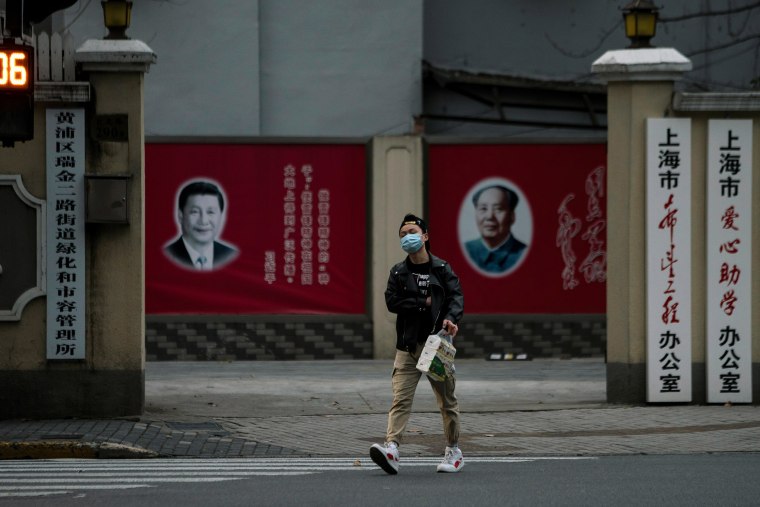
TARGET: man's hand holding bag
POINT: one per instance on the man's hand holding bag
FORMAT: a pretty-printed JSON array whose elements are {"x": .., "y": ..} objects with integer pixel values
[{"x": 437, "y": 357}]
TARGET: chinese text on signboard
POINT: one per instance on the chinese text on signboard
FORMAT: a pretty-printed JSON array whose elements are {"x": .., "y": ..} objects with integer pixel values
[
  {"x": 668, "y": 226},
  {"x": 729, "y": 258},
  {"x": 65, "y": 234}
]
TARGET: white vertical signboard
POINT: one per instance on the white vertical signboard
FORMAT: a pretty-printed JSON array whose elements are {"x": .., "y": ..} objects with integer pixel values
[
  {"x": 729, "y": 261},
  {"x": 65, "y": 154},
  {"x": 668, "y": 273}
]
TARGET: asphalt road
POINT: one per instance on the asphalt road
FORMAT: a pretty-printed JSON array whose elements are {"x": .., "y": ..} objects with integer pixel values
[{"x": 677, "y": 480}]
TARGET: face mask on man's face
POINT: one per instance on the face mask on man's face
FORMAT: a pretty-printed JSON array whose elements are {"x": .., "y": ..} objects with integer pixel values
[{"x": 411, "y": 243}]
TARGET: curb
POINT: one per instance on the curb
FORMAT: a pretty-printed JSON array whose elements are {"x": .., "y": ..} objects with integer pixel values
[{"x": 66, "y": 449}]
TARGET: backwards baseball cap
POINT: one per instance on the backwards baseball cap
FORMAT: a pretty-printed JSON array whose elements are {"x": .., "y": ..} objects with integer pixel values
[{"x": 410, "y": 219}]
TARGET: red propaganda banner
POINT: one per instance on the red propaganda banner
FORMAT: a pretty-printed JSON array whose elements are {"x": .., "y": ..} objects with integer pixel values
[
  {"x": 524, "y": 226},
  {"x": 249, "y": 228}
]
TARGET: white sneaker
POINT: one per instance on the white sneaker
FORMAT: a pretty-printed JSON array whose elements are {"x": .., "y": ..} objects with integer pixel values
[
  {"x": 452, "y": 461},
  {"x": 386, "y": 456}
]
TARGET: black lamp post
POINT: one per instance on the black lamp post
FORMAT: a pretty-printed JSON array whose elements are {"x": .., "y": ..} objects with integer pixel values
[
  {"x": 117, "y": 15},
  {"x": 640, "y": 22}
]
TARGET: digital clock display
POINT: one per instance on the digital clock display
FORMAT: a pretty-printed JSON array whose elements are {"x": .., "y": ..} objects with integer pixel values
[{"x": 15, "y": 68}]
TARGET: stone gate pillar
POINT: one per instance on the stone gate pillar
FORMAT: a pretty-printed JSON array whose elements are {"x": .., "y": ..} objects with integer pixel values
[
  {"x": 106, "y": 378},
  {"x": 397, "y": 188},
  {"x": 639, "y": 86}
]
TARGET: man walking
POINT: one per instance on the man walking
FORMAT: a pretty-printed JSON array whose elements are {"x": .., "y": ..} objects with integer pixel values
[{"x": 425, "y": 295}]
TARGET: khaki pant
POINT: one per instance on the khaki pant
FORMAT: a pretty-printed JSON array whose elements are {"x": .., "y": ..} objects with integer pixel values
[{"x": 405, "y": 379}]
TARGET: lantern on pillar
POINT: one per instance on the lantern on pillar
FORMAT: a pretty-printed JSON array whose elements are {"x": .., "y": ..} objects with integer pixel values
[
  {"x": 640, "y": 22},
  {"x": 117, "y": 15}
]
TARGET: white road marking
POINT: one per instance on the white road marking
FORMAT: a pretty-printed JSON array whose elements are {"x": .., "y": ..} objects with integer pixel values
[{"x": 24, "y": 478}]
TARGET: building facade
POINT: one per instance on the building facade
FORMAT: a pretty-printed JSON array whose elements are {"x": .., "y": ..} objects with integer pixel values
[{"x": 493, "y": 86}]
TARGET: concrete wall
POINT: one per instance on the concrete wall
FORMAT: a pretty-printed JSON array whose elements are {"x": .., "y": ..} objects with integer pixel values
[
  {"x": 340, "y": 67},
  {"x": 352, "y": 67},
  {"x": 556, "y": 39},
  {"x": 22, "y": 344},
  {"x": 116, "y": 252},
  {"x": 274, "y": 67}
]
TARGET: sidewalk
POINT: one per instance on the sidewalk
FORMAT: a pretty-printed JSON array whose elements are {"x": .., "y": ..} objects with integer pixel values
[{"x": 298, "y": 408}]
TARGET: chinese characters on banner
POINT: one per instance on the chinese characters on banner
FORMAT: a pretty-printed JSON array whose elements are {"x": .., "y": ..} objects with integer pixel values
[
  {"x": 298, "y": 233},
  {"x": 668, "y": 227},
  {"x": 65, "y": 147},
  {"x": 594, "y": 265},
  {"x": 282, "y": 206},
  {"x": 729, "y": 257},
  {"x": 556, "y": 231}
]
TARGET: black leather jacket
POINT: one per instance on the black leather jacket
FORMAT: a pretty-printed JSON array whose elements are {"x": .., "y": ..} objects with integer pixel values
[{"x": 404, "y": 299}]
